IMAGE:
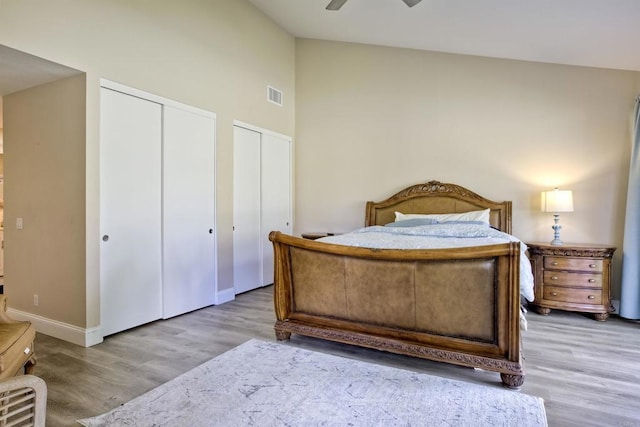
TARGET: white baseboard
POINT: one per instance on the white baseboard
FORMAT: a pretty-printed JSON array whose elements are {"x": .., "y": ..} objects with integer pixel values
[
  {"x": 225, "y": 296},
  {"x": 82, "y": 336},
  {"x": 64, "y": 331}
]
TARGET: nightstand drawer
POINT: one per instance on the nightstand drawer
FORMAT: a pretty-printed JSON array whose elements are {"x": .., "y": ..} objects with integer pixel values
[
  {"x": 580, "y": 296},
  {"x": 565, "y": 278},
  {"x": 573, "y": 264}
]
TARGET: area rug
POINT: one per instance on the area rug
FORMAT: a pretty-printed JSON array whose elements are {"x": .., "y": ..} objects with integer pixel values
[{"x": 273, "y": 384}]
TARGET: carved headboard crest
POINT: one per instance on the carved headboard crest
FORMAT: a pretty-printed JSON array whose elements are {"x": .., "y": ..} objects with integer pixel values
[{"x": 435, "y": 188}]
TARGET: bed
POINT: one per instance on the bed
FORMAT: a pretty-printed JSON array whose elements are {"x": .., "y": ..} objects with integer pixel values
[{"x": 459, "y": 305}]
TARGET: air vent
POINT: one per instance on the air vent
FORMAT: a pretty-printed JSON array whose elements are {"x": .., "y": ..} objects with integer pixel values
[{"x": 274, "y": 95}]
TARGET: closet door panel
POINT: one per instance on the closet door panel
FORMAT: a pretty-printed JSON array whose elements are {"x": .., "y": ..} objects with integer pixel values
[
  {"x": 130, "y": 201},
  {"x": 188, "y": 206},
  {"x": 246, "y": 210},
  {"x": 275, "y": 196}
]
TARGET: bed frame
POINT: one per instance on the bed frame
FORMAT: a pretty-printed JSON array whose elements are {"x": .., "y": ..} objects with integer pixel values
[{"x": 459, "y": 306}]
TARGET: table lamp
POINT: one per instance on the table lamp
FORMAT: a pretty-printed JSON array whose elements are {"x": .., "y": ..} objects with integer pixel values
[{"x": 557, "y": 201}]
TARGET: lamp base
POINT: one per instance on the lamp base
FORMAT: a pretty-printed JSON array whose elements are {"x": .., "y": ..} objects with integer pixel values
[{"x": 556, "y": 230}]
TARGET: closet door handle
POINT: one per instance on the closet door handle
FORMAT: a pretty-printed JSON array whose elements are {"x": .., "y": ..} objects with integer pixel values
[
  {"x": 105, "y": 238},
  {"x": 211, "y": 231}
]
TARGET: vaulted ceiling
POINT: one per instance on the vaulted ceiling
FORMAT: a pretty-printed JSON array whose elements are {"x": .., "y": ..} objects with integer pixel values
[{"x": 594, "y": 33}]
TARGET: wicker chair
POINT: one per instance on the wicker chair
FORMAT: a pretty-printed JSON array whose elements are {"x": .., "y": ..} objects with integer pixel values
[{"x": 23, "y": 401}]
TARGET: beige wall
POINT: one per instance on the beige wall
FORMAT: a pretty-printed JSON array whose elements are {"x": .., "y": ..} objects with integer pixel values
[
  {"x": 218, "y": 55},
  {"x": 373, "y": 120},
  {"x": 45, "y": 157}
]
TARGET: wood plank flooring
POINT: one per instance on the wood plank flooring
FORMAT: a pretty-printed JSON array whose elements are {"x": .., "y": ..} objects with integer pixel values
[{"x": 587, "y": 372}]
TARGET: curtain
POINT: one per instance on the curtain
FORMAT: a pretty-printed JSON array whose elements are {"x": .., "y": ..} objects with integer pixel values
[{"x": 630, "y": 289}]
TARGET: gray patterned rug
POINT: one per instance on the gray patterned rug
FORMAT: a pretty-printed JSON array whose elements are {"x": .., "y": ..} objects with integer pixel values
[{"x": 271, "y": 384}]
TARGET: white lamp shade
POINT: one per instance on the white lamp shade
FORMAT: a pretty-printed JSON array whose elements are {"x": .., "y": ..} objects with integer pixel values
[{"x": 557, "y": 201}]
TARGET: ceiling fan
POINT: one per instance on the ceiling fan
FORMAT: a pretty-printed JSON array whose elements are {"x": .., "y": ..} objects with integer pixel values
[{"x": 337, "y": 4}]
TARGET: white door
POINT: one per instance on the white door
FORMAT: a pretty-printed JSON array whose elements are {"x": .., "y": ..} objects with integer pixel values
[
  {"x": 130, "y": 202},
  {"x": 246, "y": 210},
  {"x": 189, "y": 249},
  {"x": 275, "y": 196}
]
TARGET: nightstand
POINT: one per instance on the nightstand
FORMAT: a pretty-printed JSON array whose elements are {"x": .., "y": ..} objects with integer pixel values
[{"x": 572, "y": 277}]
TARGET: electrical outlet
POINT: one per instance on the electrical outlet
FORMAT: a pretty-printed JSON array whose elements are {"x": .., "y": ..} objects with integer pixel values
[
  {"x": 35, "y": 300},
  {"x": 19, "y": 223}
]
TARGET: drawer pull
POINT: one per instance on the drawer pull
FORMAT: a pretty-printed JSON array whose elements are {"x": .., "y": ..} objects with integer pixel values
[
  {"x": 592, "y": 265},
  {"x": 555, "y": 294},
  {"x": 554, "y": 277},
  {"x": 591, "y": 297},
  {"x": 592, "y": 280},
  {"x": 554, "y": 263}
]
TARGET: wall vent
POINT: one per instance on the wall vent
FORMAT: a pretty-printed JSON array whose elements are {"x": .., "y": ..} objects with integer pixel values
[{"x": 274, "y": 95}]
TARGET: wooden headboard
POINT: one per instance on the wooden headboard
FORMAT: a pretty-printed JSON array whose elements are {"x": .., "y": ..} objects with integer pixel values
[{"x": 436, "y": 197}]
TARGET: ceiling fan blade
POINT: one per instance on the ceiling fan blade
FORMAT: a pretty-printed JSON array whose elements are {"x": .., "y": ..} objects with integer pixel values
[
  {"x": 335, "y": 4},
  {"x": 411, "y": 3}
]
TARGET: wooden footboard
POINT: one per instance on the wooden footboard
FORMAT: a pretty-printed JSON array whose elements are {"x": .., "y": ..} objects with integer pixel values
[{"x": 458, "y": 306}]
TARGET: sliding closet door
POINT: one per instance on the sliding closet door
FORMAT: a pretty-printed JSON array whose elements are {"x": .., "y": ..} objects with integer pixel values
[
  {"x": 189, "y": 250},
  {"x": 246, "y": 210},
  {"x": 275, "y": 196},
  {"x": 261, "y": 203},
  {"x": 130, "y": 206}
]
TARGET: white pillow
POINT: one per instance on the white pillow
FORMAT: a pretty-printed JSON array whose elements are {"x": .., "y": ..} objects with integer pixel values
[{"x": 482, "y": 215}]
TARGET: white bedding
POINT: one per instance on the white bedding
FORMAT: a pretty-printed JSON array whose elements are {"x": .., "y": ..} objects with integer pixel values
[{"x": 437, "y": 236}]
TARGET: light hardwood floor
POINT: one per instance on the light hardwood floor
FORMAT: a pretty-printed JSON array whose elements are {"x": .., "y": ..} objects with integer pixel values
[{"x": 587, "y": 372}]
